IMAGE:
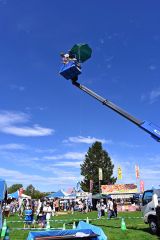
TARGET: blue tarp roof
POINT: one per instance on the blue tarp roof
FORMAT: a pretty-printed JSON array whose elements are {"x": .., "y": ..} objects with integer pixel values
[
  {"x": 14, "y": 195},
  {"x": 3, "y": 189},
  {"x": 59, "y": 194}
]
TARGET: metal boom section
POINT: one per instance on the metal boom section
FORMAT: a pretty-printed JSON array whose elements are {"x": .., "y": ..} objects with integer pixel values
[{"x": 148, "y": 127}]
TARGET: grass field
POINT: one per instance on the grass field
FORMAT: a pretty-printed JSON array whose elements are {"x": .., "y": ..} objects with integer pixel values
[{"x": 136, "y": 229}]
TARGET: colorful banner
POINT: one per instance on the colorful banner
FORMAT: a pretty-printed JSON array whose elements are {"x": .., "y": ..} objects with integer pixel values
[
  {"x": 91, "y": 186},
  {"x": 137, "y": 171},
  {"x": 119, "y": 173},
  {"x": 119, "y": 188},
  {"x": 100, "y": 174},
  {"x": 141, "y": 186}
]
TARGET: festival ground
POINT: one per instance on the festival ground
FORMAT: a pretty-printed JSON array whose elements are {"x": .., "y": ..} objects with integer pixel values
[{"x": 136, "y": 229}]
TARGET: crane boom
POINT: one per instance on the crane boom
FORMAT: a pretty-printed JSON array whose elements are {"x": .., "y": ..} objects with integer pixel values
[{"x": 149, "y": 127}]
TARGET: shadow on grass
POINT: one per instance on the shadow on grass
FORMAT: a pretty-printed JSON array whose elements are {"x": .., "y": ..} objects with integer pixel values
[{"x": 146, "y": 230}]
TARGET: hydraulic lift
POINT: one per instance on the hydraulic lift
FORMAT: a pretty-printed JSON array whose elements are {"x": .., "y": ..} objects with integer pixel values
[{"x": 71, "y": 69}]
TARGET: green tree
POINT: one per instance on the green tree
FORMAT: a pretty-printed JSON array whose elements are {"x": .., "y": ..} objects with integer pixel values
[
  {"x": 30, "y": 190},
  {"x": 35, "y": 194},
  {"x": 96, "y": 158},
  {"x": 14, "y": 188}
]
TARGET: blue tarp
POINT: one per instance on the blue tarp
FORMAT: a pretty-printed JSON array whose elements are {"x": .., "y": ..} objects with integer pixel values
[
  {"x": 95, "y": 229},
  {"x": 33, "y": 235},
  {"x": 14, "y": 195},
  {"x": 59, "y": 194},
  {"x": 3, "y": 189}
]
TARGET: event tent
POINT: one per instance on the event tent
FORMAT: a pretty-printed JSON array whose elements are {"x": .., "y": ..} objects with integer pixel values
[
  {"x": 16, "y": 195},
  {"x": 58, "y": 194},
  {"x": 13, "y": 195},
  {"x": 99, "y": 196}
]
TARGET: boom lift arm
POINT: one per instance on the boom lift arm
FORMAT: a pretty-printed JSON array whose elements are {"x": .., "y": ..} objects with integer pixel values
[{"x": 149, "y": 127}]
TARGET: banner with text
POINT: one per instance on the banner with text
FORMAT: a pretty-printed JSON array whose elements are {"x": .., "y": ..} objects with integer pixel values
[{"x": 119, "y": 188}]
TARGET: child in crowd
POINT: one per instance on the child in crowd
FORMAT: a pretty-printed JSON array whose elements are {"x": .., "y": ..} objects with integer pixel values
[
  {"x": 41, "y": 218},
  {"x": 28, "y": 218}
]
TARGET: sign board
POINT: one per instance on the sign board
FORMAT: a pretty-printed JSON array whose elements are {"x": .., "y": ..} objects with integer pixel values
[
  {"x": 100, "y": 174},
  {"x": 119, "y": 188}
]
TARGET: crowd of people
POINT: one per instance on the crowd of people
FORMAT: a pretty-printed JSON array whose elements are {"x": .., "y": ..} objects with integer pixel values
[
  {"x": 110, "y": 208},
  {"x": 38, "y": 212},
  {"x": 34, "y": 212}
]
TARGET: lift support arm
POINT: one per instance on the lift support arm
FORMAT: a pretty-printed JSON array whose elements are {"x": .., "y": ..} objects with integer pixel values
[{"x": 149, "y": 127}]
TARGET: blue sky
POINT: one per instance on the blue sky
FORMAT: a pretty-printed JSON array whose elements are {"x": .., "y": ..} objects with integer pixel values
[{"x": 46, "y": 124}]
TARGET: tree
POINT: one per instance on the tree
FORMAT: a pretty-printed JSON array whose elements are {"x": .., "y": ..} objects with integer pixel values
[
  {"x": 35, "y": 194},
  {"x": 14, "y": 188},
  {"x": 96, "y": 158},
  {"x": 30, "y": 190}
]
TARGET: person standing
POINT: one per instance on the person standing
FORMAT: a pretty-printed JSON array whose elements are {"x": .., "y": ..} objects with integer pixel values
[
  {"x": 98, "y": 206},
  {"x": 47, "y": 211},
  {"x": 103, "y": 210},
  {"x": 28, "y": 219},
  {"x": 115, "y": 207},
  {"x": 110, "y": 208}
]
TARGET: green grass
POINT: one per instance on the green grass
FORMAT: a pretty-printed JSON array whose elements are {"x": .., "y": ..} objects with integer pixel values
[{"x": 136, "y": 229}]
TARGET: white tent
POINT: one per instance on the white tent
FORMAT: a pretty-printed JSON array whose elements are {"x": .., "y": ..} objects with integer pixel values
[{"x": 25, "y": 196}]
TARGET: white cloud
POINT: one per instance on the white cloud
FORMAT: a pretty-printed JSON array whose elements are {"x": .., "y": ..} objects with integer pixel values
[
  {"x": 9, "y": 118},
  {"x": 16, "y": 87},
  {"x": 69, "y": 155},
  {"x": 27, "y": 131},
  {"x": 9, "y": 121},
  {"x": 154, "y": 95},
  {"x": 128, "y": 145},
  {"x": 13, "y": 176},
  {"x": 12, "y": 146},
  {"x": 87, "y": 140},
  {"x": 68, "y": 164}
]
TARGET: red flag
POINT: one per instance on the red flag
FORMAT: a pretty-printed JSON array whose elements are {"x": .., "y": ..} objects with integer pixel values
[
  {"x": 137, "y": 171},
  {"x": 141, "y": 186}
]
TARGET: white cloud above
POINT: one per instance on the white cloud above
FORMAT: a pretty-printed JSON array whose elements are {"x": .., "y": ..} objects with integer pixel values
[
  {"x": 154, "y": 95},
  {"x": 87, "y": 140},
  {"x": 9, "y": 121},
  {"x": 18, "y": 88},
  {"x": 128, "y": 145},
  {"x": 68, "y": 164},
  {"x": 12, "y": 146},
  {"x": 42, "y": 182},
  {"x": 69, "y": 155}
]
